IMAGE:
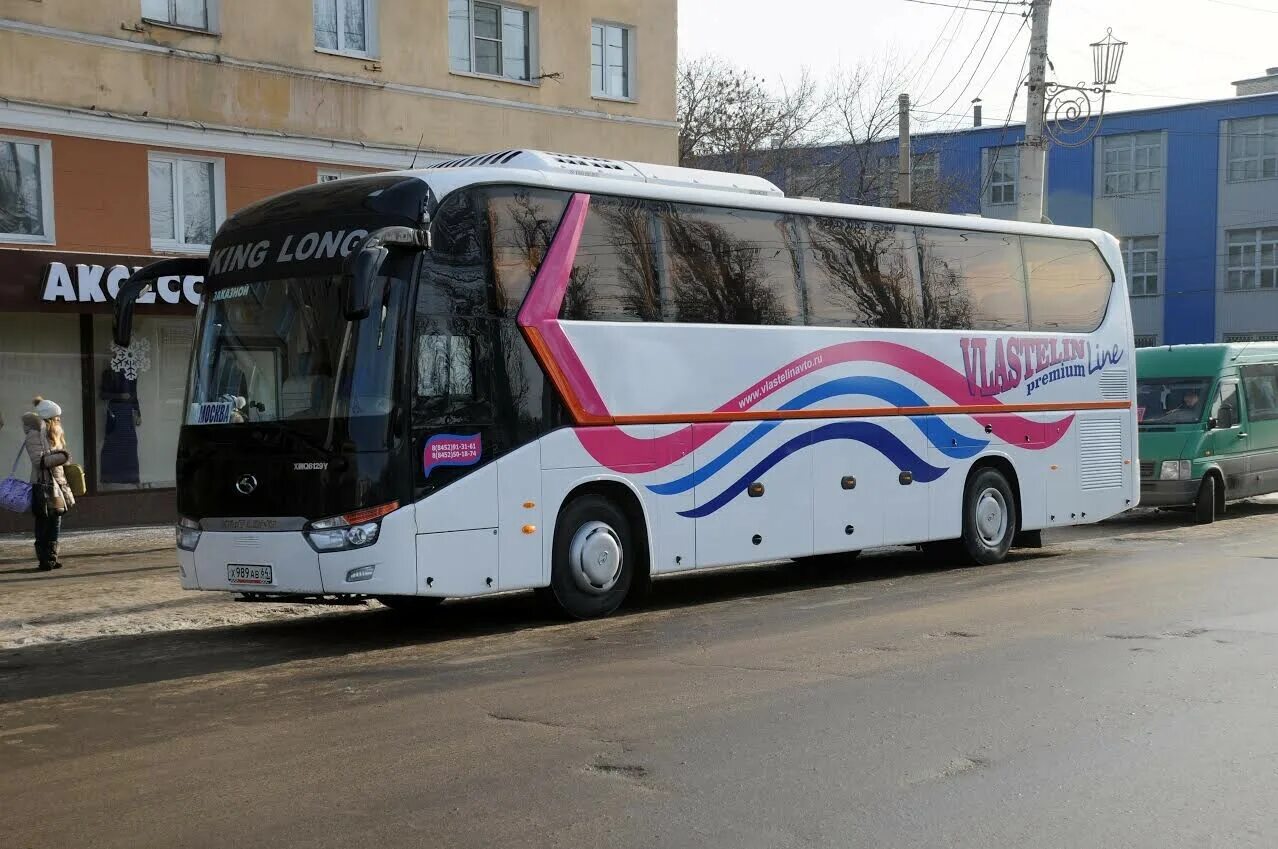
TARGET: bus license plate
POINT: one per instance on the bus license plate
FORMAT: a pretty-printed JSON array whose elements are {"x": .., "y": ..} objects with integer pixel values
[{"x": 238, "y": 573}]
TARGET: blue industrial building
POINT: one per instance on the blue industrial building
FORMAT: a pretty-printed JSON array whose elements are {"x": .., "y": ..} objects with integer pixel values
[{"x": 1190, "y": 190}]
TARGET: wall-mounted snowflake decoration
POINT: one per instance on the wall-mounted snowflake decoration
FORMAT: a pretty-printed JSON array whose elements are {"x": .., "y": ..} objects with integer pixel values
[{"x": 133, "y": 360}]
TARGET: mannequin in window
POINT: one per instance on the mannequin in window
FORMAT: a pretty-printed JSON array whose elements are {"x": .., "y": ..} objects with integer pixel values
[{"x": 119, "y": 461}]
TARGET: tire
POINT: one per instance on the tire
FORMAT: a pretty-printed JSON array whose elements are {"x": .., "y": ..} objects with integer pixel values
[
  {"x": 1205, "y": 506},
  {"x": 989, "y": 517},
  {"x": 594, "y": 558},
  {"x": 410, "y": 604}
]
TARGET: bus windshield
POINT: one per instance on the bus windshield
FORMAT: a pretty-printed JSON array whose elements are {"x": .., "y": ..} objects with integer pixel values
[
  {"x": 282, "y": 351},
  {"x": 1171, "y": 400}
]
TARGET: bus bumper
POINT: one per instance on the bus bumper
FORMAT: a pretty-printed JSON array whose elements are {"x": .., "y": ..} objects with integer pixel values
[
  {"x": 387, "y": 567},
  {"x": 1168, "y": 493}
]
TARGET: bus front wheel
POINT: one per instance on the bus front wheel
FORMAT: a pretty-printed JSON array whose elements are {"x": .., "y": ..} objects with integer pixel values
[
  {"x": 594, "y": 558},
  {"x": 989, "y": 517}
]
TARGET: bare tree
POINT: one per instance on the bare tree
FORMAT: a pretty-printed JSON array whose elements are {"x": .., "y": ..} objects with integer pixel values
[
  {"x": 730, "y": 120},
  {"x": 825, "y": 140}
]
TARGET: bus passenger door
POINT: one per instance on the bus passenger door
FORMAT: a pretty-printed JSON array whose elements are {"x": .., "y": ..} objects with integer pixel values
[
  {"x": 757, "y": 503},
  {"x": 455, "y": 442}
]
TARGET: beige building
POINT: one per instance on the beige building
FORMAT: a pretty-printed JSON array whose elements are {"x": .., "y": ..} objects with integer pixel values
[
  {"x": 132, "y": 128},
  {"x": 463, "y": 76}
]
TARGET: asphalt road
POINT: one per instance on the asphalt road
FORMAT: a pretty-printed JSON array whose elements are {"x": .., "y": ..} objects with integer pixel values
[{"x": 1115, "y": 689}]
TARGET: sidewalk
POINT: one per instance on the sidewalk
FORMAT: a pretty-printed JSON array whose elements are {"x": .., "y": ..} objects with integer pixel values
[{"x": 116, "y": 581}]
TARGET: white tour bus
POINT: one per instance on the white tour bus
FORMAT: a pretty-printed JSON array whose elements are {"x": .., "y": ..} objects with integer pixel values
[{"x": 527, "y": 369}]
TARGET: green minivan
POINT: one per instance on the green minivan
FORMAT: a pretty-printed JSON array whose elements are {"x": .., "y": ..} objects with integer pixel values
[{"x": 1208, "y": 420}]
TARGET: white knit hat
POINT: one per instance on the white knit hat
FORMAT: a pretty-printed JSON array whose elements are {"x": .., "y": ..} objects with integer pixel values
[{"x": 46, "y": 409}]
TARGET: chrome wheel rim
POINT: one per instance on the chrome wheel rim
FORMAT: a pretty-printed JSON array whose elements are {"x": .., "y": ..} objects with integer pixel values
[
  {"x": 595, "y": 558},
  {"x": 991, "y": 517}
]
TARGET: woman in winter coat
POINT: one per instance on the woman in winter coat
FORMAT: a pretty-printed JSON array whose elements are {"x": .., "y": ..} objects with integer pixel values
[{"x": 47, "y": 449}]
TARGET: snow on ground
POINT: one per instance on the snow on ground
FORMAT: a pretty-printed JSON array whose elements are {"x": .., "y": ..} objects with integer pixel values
[{"x": 116, "y": 582}]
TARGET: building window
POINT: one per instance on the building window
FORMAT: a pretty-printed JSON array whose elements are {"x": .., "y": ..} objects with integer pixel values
[
  {"x": 924, "y": 168},
  {"x": 26, "y": 190},
  {"x": 192, "y": 14},
  {"x": 1253, "y": 148},
  {"x": 1001, "y": 167},
  {"x": 187, "y": 201},
  {"x": 611, "y": 55},
  {"x": 138, "y": 402},
  {"x": 1131, "y": 163},
  {"x": 1149, "y": 341},
  {"x": 345, "y": 26},
  {"x": 1252, "y": 259},
  {"x": 1250, "y": 337},
  {"x": 1140, "y": 258},
  {"x": 493, "y": 39}
]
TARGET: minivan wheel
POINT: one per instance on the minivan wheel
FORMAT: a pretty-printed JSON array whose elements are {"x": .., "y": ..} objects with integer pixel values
[
  {"x": 1205, "y": 506},
  {"x": 594, "y": 558},
  {"x": 989, "y": 517}
]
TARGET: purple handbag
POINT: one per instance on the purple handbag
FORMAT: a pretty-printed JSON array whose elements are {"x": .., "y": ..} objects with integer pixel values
[{"x": 15, "y": 494}]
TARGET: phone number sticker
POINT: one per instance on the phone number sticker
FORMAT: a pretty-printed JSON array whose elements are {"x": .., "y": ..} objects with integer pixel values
[{"x": 450, "y": 449}]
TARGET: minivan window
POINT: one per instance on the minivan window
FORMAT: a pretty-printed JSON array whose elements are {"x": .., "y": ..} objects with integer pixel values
[
  {"x": 1226, "y": 396},
  {"x": 1260, "y": 384},
  {"x": 1174, "y": 400}
]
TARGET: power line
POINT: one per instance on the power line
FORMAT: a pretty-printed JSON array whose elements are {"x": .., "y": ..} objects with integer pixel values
[
  {"x": 1241, "y": 6},
  {"x": 979, "y": 62},
  {"x": 935, "y": 44},
  {"x": 970, "y": 53},
  {"x": 992, "y": 10}
]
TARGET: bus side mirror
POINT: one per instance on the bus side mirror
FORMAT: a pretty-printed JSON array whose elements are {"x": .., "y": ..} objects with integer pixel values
[
  {"x": 1224, "y": 418},
  {"x": 364, "y": 264},
  {"x": 131, "y": 289}
]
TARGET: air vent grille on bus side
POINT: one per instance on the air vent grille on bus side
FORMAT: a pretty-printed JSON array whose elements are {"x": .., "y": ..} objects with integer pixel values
[
  {"x": 1113, "y": 384},
  {"x": 1100, "y": 454}
]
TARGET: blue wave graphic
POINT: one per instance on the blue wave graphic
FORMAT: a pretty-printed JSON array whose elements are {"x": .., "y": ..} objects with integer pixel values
[
  {"x": 948, "y": 441},
  {"x": 879, "y": 438}
]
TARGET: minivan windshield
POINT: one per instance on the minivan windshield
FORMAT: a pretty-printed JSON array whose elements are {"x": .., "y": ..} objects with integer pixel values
[
  {"x": 282, "y": 351},
  {"x": 1171, "y": 400}
]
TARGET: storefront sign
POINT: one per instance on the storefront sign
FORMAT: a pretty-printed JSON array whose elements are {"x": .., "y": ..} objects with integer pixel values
[
  {"x": 89, "y": 284},
  {"x": 52, "y": 281}
]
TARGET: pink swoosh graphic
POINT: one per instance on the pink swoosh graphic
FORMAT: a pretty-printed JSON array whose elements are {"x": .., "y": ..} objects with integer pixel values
[
  {"x": 612, "y": 447},
  {"x": 616, "y": 449}
]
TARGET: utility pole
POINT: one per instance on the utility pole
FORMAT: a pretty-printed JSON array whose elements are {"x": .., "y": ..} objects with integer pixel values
[
  {"x": 1033, "y": 189},
  {"x": 904, "y": 191}
]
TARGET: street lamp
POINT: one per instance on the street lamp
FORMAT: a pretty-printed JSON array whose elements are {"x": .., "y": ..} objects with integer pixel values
[{"x": 1070, "y": 108}]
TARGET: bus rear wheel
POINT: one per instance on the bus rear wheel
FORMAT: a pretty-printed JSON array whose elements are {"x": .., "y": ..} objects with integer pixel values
[
  {"x": 989, "y": 517},
  {"x": 594, "y": 558}
]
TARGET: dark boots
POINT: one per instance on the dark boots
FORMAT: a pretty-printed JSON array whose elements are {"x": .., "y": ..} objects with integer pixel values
[{"x": 47, "y": 556}]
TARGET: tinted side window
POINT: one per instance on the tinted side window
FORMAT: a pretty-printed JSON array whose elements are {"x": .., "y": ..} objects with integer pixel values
[
  {"x": 522, "y": 222},
  {"x": 616, "y": 275},
  {"x": 452, "y": 272},
  {"x": 1260, "y": 385},
  {"x": 730, "y": 266},
  {"x": 860, "y": 274},
  {"x": 972, "y": 280},
  {"x": 1069, "y": 284}
]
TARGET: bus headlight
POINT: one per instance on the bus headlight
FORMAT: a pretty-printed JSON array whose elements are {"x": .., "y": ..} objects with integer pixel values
[
  {"x": 350, "y": 530},
  {"x": 187, "y": 533},
  {"x": 1175, "y": 470}
]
